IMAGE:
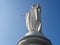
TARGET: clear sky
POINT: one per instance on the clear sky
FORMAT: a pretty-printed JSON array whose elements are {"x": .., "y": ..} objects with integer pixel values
[{"x": 12, "y": 24}]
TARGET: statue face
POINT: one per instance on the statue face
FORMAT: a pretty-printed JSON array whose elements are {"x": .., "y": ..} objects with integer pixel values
[{"x": 36, "y": 7}]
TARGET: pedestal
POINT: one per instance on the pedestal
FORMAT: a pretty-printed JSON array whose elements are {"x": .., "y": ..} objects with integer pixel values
[{"x": 34, "y": 38}]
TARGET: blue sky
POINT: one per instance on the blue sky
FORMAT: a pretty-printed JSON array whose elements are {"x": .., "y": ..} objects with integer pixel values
[{"x": 12, "y": 24}]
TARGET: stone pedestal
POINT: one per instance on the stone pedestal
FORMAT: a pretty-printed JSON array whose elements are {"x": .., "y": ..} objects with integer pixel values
[{"x": 34, "y": 38}]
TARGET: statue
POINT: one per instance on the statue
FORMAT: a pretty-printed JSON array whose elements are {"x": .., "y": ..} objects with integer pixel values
[
  {"x": 33, "y": 23},
  {"x": 33, "y": 19}
]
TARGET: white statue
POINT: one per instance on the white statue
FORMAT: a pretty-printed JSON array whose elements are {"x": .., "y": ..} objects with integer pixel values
[{"x": 33, "y": 19}]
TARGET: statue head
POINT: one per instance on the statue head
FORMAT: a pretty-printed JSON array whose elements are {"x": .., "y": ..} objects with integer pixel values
[{"x": 37, "y": 7}]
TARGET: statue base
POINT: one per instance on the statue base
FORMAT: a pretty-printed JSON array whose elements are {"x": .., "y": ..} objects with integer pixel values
[{"x": 34, "y": 38}]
